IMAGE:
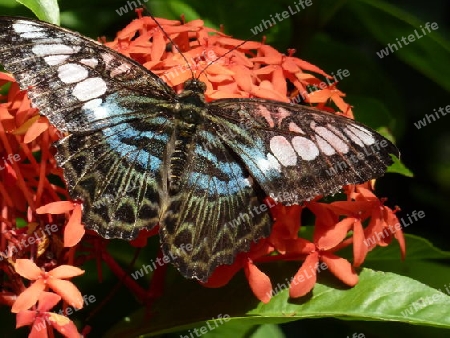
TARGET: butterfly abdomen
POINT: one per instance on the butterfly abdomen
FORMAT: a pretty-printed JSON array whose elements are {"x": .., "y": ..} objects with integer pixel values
[
  {"x": 179, "y": 157},
  {"x": 189, "y": 118}
]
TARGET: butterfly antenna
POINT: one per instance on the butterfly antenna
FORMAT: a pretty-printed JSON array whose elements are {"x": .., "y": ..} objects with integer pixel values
[
  {"x": 219, "y": 57},
  {"x": 171, "y": 41}
]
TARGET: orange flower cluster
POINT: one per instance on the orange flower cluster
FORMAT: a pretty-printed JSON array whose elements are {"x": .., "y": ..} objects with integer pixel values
[
  {"x": 26, "y": 235},
  {"x": 32, "y": 196}
]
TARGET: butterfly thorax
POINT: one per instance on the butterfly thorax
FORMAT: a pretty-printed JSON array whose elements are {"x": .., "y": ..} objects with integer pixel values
[{"x": 189, "y": 111}]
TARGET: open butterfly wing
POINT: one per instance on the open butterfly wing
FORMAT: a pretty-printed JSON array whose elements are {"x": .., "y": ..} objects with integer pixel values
[
  {"x": 216, "y": 211},
  {"x": 79, "y": 84},
  {"x": 117, "y": 173},
  {"x": 301, "y": 150},
  {"x": 115, "y": 110}
]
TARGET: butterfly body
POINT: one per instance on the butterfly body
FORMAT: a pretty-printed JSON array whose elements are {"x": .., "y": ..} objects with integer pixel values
[{"x": 197, "y": 169}]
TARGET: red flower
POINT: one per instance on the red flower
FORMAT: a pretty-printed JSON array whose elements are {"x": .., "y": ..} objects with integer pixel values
[
  {"x": 53, "y": 279},
  {"x": 74, "y": 230},
  {"x": 259, "y": 282},
  {"x": 328, "y": 234},
  {"x": 40, "y": 317}
]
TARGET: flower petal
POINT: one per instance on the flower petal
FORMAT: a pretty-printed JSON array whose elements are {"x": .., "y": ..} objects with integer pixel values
[
  {"x": 341, "y": 268},
  {"x": 29, "y": 297},
  {"x": 25, "y": 317},
  {"x": 339, "y": 102},
  {"x": 333, "y": 236},
  {"x": 68, "y": 291},
  {"x": 242, "y": 76},
  {"x": 5, "y": 77},
  {"x": 34, "y": 131},
  {"x": 4, "y": 113},
  {"x": 59, "y": 207},
  {"x": 259, "y": 282},
  {"x": 265, "y": 93},
  {"x": 74, "y": 230},
  {"x": 395, "y": 227},
  {"x": 158, "y": 47},
  {"x": 65, "y": 271},
  {"x": 26, "y": 125},
  {"x": 306, "y": 277},
  {"x": 64, "y": 325},
  {"x": 360, "y": 249},
  {"x": 27, "y": 269},
  {"x": 279, "y": 81},
  {"x": 308, "y": 66},
  {"x": 39, "y": 328},
  {"x": 47, "y": 300}
]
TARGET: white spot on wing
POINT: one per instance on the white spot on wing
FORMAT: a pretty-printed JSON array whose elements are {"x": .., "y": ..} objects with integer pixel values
[
  {"x": 295, "y": 128},
  {"x": 92, "y": 62},
  {"x": 326, "y": 148},
  {"x": 332, "y": 139},
  {"x": 123, "y": 68},
  {"x": 71, "y": 73},
  {"x": 264, "y": 112},
  {"x": 54, "y": 60},
  {"x": 53, "y": 49},
  {"x": 89, "y": 89},
  {"x": 281, "y": 115},
  {"x": 306, "y": 149},
  {"x": 33, "y": 35},
  {"x": 337, "y": 132},
  {"x": 283, "y": 151},
  {"x": 22, "y": 26},
  {"x": 353, "y": 137},
  {"x": 98, "y": 111},
  {"x": 107, "y": 58},
  {"x": 92, "y": 104},
  {"x": 364, "y": 134},
  {"x": 268, "y": 164}
]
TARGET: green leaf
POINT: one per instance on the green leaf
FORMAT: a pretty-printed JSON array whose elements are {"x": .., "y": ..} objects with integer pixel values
[
  {"x": 399, "y": 168},
  {"x": 21, "y": 223},
  {"x": 424, "y": 262},
  {"x": 428, "y": 54},
  {"x": 232, "y": 329},
  {"x": 268, "y": 331},
  {"x": 418, "y": 248},
  {"x": 378, "y": 296},
  {"x": 46, "y": 10}
]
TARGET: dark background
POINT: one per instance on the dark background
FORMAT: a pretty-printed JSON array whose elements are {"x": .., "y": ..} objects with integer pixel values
[{"x": 394, "y": 91}]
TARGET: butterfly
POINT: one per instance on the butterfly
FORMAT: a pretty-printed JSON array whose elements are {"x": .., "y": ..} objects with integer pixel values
[{"x": 173, "y": 159}]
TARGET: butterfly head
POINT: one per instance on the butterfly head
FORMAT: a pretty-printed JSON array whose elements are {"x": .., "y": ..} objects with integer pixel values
[
  {"x": 195, "y": 86},
  {"x": 193, "y": 93}
]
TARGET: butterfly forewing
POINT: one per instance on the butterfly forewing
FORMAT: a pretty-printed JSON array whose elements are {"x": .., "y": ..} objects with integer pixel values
[
  {"x": 138, "y": 154},
  {"x": 292, "y": 148},
  {"x": 79, "y": 84}
]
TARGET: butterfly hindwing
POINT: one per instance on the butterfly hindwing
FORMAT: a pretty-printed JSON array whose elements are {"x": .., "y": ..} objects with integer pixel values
[
  {"x": 292, "y": 148},
  {"x": 117, "y": 173},
  {"x": 214, "y": 211}
]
